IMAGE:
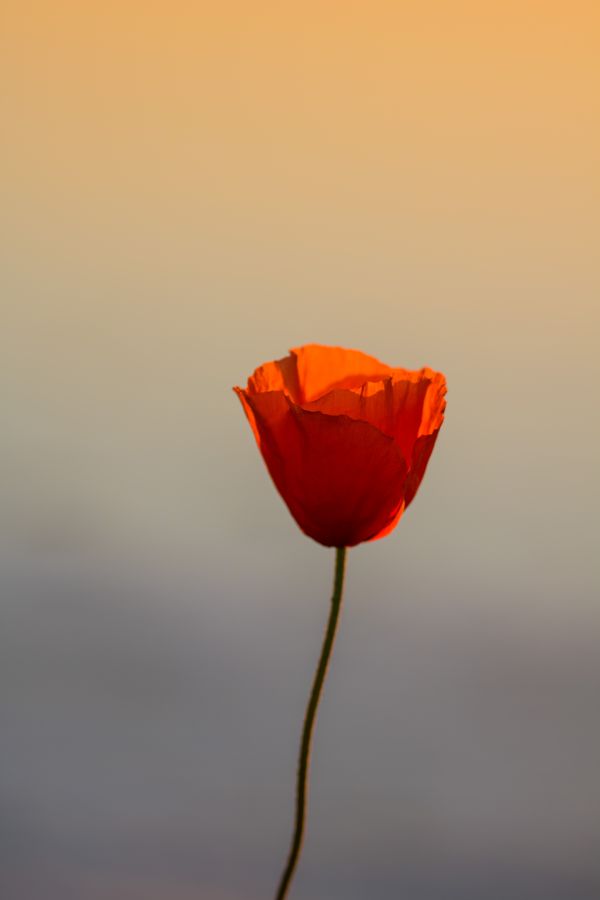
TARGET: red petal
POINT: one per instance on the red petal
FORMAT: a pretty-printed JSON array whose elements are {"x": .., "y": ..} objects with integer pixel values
[
  {"x": 342, "y": 479},
  {"x": 422, "y": 451}
]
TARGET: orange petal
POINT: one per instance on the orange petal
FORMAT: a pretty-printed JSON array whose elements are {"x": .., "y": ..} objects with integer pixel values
[
  {"x": 402, "y": 407},
  {"x": 242, "y": 394},
  {"x": 280, "y": 375},
  {"x": 321, "y": 369}
]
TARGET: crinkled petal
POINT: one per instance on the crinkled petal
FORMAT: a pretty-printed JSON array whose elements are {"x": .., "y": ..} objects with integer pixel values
[
  {"x": 403, "y": 408},
  {"x": 321, "y": 369}
]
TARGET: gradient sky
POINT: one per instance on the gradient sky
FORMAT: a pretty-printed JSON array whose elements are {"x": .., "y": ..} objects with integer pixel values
[{"x": 188, "y": 190}]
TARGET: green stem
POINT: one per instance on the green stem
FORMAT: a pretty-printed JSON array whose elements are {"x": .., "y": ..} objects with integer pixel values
[{"x": 309, "y": 721}]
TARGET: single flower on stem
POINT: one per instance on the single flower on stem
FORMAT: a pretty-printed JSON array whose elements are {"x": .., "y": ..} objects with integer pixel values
[{"x": 346, "y": 440}]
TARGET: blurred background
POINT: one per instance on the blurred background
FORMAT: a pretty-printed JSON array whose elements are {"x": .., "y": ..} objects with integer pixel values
[{"x": 188, "y": 190}]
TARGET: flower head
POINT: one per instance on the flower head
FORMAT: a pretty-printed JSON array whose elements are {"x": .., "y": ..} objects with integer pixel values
[{"x": 345, "y": 438}]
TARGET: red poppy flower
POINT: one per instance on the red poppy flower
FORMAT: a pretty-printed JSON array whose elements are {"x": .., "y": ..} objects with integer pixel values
[{"x": 345, "y": 438}]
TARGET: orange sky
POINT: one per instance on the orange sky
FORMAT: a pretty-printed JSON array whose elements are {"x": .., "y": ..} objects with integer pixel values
[
  {"x": 351, "y": 103},
  {"x": 192, "y": 188}
]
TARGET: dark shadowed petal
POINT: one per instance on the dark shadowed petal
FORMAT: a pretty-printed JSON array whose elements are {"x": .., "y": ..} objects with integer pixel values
[{"x": 342, "y": 479}]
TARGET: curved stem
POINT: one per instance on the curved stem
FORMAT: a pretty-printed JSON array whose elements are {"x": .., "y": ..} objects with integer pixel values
[{"x": 309, "y": 721}]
